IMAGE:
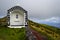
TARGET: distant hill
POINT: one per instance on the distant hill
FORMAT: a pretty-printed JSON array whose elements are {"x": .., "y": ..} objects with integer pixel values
[
  {"x": 3, "y": 22},
  {"x": 51, "y": 32},
  {"x": 3, "y": 19}
]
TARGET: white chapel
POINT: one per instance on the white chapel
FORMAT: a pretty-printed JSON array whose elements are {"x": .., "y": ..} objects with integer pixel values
[{"x": 17, "y": 17}]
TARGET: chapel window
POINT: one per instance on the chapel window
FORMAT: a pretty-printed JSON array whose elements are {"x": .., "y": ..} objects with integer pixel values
[{"x": 16, "y": 16}]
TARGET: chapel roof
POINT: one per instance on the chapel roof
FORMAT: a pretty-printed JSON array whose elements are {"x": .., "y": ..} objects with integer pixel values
[{"x": 17, "y": 7}]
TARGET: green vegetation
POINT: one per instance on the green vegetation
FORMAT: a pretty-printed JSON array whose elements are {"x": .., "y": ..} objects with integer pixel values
[
  {"x": 11, "y": 33},
  {"x": 52, "y": 28},
  {"x": 52, "y": 33}
]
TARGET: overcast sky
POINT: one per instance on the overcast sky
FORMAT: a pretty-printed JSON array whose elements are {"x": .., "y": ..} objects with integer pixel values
[{"x": 36, "y": 8}]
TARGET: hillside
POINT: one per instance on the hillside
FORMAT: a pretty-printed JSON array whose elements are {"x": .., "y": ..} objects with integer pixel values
[
  {"x": 10, "y": 33},
  {"x": 50, "y": 32}
]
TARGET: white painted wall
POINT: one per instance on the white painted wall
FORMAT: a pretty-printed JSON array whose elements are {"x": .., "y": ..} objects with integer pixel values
[{"x": 13, "y": 19}]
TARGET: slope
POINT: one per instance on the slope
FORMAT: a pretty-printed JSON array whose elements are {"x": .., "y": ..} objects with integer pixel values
[
  {"x": 10, "y": 33},
  {"x": 48, "y": 31}
]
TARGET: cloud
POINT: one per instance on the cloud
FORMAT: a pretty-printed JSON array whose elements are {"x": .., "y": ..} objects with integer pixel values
[
  {"x": 53, "y": 19},
  {"x": 36, "y": 8},
  {"x": 50, "y": 20}
]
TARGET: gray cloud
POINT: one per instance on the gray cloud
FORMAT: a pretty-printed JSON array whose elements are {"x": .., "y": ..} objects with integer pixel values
[{"x": 36, "y": 8}]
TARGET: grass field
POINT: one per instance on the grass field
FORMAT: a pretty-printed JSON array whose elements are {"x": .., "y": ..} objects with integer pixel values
[
  {"x": 52, "y": 33},
  {"x": 12, "y": 34}
]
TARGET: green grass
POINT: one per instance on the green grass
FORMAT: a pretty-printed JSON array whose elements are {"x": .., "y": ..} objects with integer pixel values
[
  {"x": 42, "y": 33},
  {"x": 12, "y": 34},
  {"x": 19, "y": 33},
  {"x": 51, "y": 32},
  {"x": 52, "y": 28}
]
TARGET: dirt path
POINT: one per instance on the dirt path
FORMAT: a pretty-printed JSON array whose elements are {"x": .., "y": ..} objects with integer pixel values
[{"x": 37, "y": 35}]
